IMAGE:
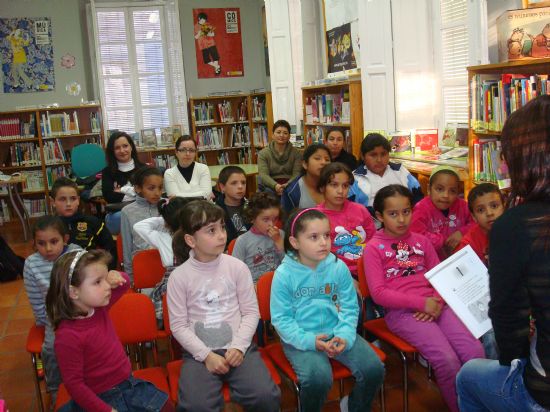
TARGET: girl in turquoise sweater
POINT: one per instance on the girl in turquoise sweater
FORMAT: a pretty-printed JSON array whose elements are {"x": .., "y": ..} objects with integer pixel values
[{"x": 314, "y": 310}]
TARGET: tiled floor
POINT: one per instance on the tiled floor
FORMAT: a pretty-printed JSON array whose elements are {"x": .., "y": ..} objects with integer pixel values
[{"x": 16, "y": 376}]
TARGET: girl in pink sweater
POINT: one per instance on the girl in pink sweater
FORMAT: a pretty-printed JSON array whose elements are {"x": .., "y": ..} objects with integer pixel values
[
  {"x": 351, "y": 225},
  {"x": 396, "y": 260},
  {"x": 93, "y": 364},
  {"x": 442, "y": 216},
  {"x": 213, "y": 315}
]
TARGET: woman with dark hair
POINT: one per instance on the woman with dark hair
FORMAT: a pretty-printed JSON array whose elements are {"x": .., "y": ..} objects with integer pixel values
[
  {"x": 519, "y": 277},
  {"x": 122, "y": 160},
  {"x": 335, "y": 141},
  {"x": 188, "y": 178},
  {"x": 280, "y": 162},
  {"x": 303, "y": 192}
]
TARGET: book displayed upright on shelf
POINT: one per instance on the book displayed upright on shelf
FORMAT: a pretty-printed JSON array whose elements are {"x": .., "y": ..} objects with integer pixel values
[
  {"x": 239, "y": 136},
  {"x": 148, "y": 137},
  {"x": 225, "y": 112},
  {"x": 328, "y": 108},
  {"x": 258, "y": 109},
  {"x": 204, "y": 113},
  {"x": 489, "y": 165},
  {"x": 210, "y": 138},
  {"x": 260, "y": 136},
  {"x": 400, "y": 141},
  {"x": 425, "y": 139}
]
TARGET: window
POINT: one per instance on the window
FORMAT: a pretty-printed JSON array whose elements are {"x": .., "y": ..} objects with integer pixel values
[
  {"x": 454, "y": 60},
  {"x": 140, "y": 66}
]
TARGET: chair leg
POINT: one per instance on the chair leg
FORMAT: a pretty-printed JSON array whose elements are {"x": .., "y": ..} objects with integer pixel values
[
  {"x": 382, "y": 398},
  {"x": 155, "y": 353},
  {"x": 405, "y": 383},
  {"x": 430, "y": 371},
  {"x": 37, "y": 384},
  {"x": 297, "y": 391}
]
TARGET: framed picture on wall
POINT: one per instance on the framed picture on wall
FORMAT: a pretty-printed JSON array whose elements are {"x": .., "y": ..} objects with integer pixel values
[{"x": 527, "y": 4}]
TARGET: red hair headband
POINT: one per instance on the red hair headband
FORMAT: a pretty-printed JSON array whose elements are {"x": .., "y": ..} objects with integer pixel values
[{"x": 300, "y": 213}]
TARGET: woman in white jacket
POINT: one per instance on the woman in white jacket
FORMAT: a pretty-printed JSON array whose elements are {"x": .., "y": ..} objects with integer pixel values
[{"x": 188, "y": 178}]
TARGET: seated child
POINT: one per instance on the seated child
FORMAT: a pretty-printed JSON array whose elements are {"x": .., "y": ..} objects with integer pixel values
[
  {"x": 442, "y": 216},
  {"x": 314, "y": 310},
  {"x": 50, "y": 239},
  {"x": 377, "y": 172},
  {"x": 86, "y": 231},
  {"x": 93, "y": 364},
  {"x": 213, "y": 316},
  {"x": 148, "y": 185},
  {"x": 158, "y": 232},
  {"x": 397, "y": 260},
  {"x": 232, "y": 183},
  {"x": 261, "y": 248},
  {"x": 351, "y": 225},
  {"x": 486, "y": 204}
]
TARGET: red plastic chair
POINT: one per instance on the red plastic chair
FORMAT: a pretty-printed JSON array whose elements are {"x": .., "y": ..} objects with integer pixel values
[
  {"x": 231, "y": 246},
  {"x": 148, "y": 269},
  {"x": 35, "y": 339},
  {"x": 119, "y": 252},
  {"x": 379, "y": 329},
  {"x": 276, "y": 353}
]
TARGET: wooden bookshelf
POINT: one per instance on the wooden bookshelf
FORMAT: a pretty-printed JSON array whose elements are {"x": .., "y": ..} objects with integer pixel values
[
  {"x": 348, "y": 91},
  {"x": 46, "y": 135},
  {"x": 223, "y": 126},
  {"x": 479, "y": 130}
]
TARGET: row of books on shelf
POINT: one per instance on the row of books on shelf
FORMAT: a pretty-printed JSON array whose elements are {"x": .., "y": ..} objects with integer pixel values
[
  {"x": 165, "y": 160},
  {"x": 489, "y": 164},
  {"x": 244, "y": 156},
  {"x": 4, "y": 211},
  {"x": 493, "y": 99},
  {"x": 54, "y": 153},
  {"x": 328, "y": 108},
  {"x": 259, "y": 111},
  {"x": 161, "y": 137},
  {"x": 260, "y": 136},
  {"x": 25, "y": 154},
  {"x": 55, "y": 172},
  {"x": 213, "y": 138},
  {"x": 205, "y": 112},
  {"x": 34, "y": 207},
  {"x": 16, "y": 128}
]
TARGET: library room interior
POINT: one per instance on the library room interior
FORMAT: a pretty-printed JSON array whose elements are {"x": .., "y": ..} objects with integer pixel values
[{"x": 348, "y": 196}]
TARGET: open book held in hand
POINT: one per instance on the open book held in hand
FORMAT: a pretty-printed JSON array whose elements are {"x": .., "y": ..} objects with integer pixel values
[{"x": 462, "y": 281}]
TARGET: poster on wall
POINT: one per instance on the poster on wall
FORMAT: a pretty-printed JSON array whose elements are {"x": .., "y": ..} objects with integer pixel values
[
  {"x": 340, "y": 49},
  {"x": 27, "y": 54},
  {"x": 342, "y": 31},
  {"x": 218, "y": 43},
  {"x": 266, "y": 47}
]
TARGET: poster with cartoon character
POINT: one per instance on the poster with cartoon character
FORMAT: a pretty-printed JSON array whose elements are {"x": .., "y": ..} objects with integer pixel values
[
  {"x": 341, "y": 54},
  {"x": 27, "y": 54},
  {"x": 218, "y": 43}
]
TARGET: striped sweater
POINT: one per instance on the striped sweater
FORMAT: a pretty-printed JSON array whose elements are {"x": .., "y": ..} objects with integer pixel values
[{"x": 36, "y": 276}]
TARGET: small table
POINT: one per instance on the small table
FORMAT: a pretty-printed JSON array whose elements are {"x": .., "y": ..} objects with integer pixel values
[
  {"x": 250, "y": 171},
  {"x": 18, "y": 207}
]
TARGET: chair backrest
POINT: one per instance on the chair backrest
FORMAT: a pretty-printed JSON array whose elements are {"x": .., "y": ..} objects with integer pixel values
[
  {"x": 148, "y": 269},
  {"x": 133, "y": 316},
  {"x": 231, "y": 246},
  {"x": 363, "y": 285},
  {"x": 87, "y": 160},
  {"x": 119, "y": 251},
  {"x": 263, "y": 292}
]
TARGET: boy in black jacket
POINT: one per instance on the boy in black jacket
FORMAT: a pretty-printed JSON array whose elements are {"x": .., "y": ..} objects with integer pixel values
[{"x": 84, "y": 230}]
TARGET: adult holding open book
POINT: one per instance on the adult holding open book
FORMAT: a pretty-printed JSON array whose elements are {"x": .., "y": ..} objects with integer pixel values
[
  {"x": 116, "y": 186},
  {"x": 519, "y": 277},
  {"x": 280, "y": 162},
  {"x": 188, "y": 178}
]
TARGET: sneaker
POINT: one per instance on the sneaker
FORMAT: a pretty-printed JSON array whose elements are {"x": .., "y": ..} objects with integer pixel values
[
  {"x": 344, "y": 404},
  {"x": 39, "y": 368}
]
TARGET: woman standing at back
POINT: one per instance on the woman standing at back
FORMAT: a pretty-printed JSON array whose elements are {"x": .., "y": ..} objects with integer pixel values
[
  {"x": 122, "y": 161},
  {"x": 519, "y": 277}
]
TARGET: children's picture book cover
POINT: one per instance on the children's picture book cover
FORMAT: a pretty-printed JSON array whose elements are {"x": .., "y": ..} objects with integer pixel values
[
  {"x": 400, "y": 141},
  {"x": 148, "y": 137},
  {"x": 426, "y": 139},
  {"x": 218, "y": 42}
]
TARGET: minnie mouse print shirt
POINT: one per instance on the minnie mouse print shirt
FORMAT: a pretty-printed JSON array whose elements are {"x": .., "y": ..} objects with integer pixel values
[{"x": 395, "y": 268}]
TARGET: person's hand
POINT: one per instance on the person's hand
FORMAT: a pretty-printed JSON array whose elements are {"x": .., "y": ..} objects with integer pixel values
[
  {"x": 336, "y": 346},
  {"x": 279, "y": 189},
  {"x": 321, "y": 343},
  {"x": 275, "y": 234},
  {"x": 216, "y": 364},
  {"x": 423, "y": 317},
  {"x": 116, "y": 188},
  {"x": 115, "y": 279},
  {"x": 234, "y": 357},
  {"x": 452, "y": 241},
  {"x": 433, "y": 306}
]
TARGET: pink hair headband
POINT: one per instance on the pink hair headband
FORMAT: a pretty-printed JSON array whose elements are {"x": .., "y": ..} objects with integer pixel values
[{"x": 300, "y": 213}]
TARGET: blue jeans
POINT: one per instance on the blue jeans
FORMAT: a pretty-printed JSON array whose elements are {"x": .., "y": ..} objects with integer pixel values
[
  {"x": 485, "y": 385},
  {"x": 112, "y": 221},
  {"x": 132, "y": 395},
  {"x": 315, "y": 375}
]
